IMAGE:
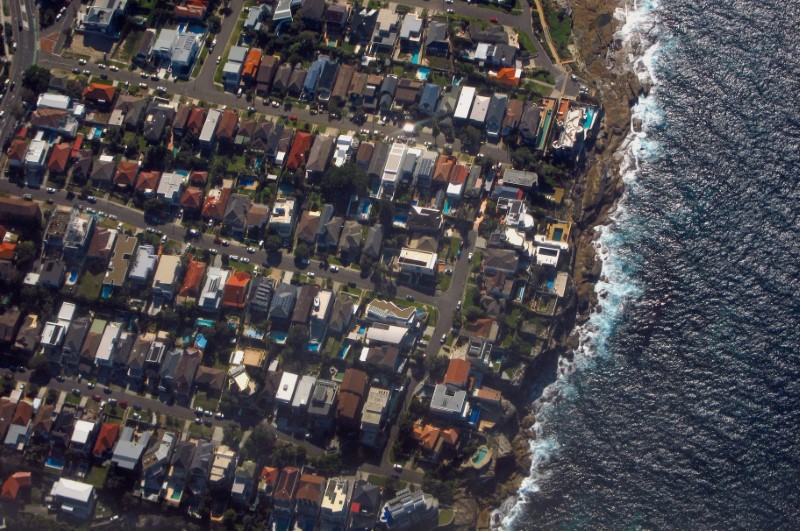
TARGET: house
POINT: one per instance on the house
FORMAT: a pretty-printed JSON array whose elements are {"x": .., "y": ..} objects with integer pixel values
[
  {"x": 364, "y": 155},
  {"x": 130, "y": 448},
  {"x": 319, "y": 157},
  {"x": 155, "y": 123},
  {"x": 328, "y": 234},
  {"x": 529, "y": 124},
  {"x": 449, "y": 402},
  {"x": 101, "y": 245},
  {"x": 191, "y": 286},
  {"x": 371, "y": 93},
  {"x": 261, "y": 293},
  {"x": 200, "y": 468},
  {"x": 16, "y": 152},
  {"x": 102, "y": 16},
  {"x": 437, "y": 42},
  {"x": 260, "y": 137},
  {"x": 299, "y": 152},
  {"x": 147, "y": 183},
  {"x": 103, "y": 171},
  {"x": 106, "y": 438},
  {"x": 384, "y": 37},
  {"x": 282, "y": 220},
  {"x": 232, "y": 70},
  {"x": 425, "y": 220},
  {"x": 56, "y": 121},
  {"x": 365, "y": 503},
  {"x": 235, "y": 219},
  {"x": 283, "y": 495},
  {"x": 385, "y": 358},
  {"x": 10, "y": 321},
  {"x": 352, "y": 392},
  {"x": 144, "y": 264},
  {"x": 207, "y": 134},
  {"x": 251, "y": 64},
  {"x": 74, "y": 498},
  {"x": 211, "y": 295},
  {"x": 363, "y": 25},
  {"x": 108, "y": 344},
  {"x": 99, "y": 94},
  {"x": 185, "y": 372},
  {"x": 525, "y": 180},
  {"x": 226, "y": 126},
  {"x": 373, "y": 416},
  {"x": 14, "y": 485},
  {"x": 155, "y": 466},
  {"x": 504, "y": 261},
  {"x": 82, "y": 439},
  {"x": 165, "y": 280},
  {"x": 222, "y": 468},
  {"x": 169, "y": 187},
  {"x": 267, "y": 480},
  {"x": 356, "y": 88},
  {"x": 341, "y": 315},
  {"x": 180, "y": 466},
  {"x": 297, "y": 81},
  {"x": 464, "y": 104},
  {"x": 308, "y": 498},
  {"x": 266, "y": 73},
  {"x": 168, "y": 369},
  {"x": 124, "y": 250},
  {"x": 411, "y": 33},
  {"x": 196, "y": 121},
  {"x": 192, "y": 200},
  {"x": 495, "y": 114},
  {"x": 387, "y": 312},
  {"x": 52, "y": 274},
  {"x": 180, "y": 119},
  {"x": 415, "y": 263},
  {"x": 434, "y": 441},
  {"x": 458, "y": 373},
  {"x": 210, "y": 380},
  {"x": 43, "y": 422},
  {"x": 128, "y": 112},
  {"x": 386, "y": 94},
  {"x": 327, "y": 78},
  {"x": 344, "y": 143},
  {"x": 278, "y": 142},
  {"x": 335, "y": 17},
  {"x": 307, "y": 227},
  {"x": 312, "y": 12},
  {"x": 487, "y": 33},
  {"x": 20, "y": 427},
  {"x": 243, "y": 481},
  {"x": 234, "y": 294},
  {"x": 126, "y": 173},
  {"x": 321, "y": 406},
  {"x": 280, "y": 82},
  {"x": 216, "y": 203},
  {"x": 305, "y": 302},
  {"x": 512, "y": 117},
  {"x": 509, "y": 76},
  {"x": 429, "y": 98},
  {"x": 343, "y": 79},
  {"x": 335, "y": 504},
  {"x": 137, "y": 358},
  {"x": 28, "y": 334},
  {"x": 350, "y": 241},
  {"x": 410, "y": 510},
  {"x": 255, "y": 16},
  {"x": 90, "y": 345}
]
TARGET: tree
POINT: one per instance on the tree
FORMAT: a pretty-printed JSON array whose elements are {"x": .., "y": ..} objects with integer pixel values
[
  {"x": 436, "y": 366},
  {"x": 296, "y": 341},
  {"x": 229, "y": 519},
  {"x": 36, "y": 79},
  {"x": 74, "y": 89},
  {"x": 470, "y": 139},
  {"x": 342, "y": 182},
  {"x": 25, "y": 254},
  {"x": 301, "y": 252},
  {"x": 232, "y": 435},
  {"x": 273, "y": 243},
  {"x": 259, "y": 445},
  {"x": 155, "y": 208},
  {"x": 214, "y": 24}
]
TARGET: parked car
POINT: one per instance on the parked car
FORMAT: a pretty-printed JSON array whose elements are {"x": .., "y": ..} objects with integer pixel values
[
  {"x": 96, "y": 397},
  {"x": 143, "y": 85},
  {"x": 251, "y": 250},
  {"x": 113, "y": 68},
  {"x": 334, "y": 269},
  {"x": 493, "y": 20},
  {"x": 101, "y": 66},
  {"x": 82, "y": 61},
  {"x": 444, "y": 338}
]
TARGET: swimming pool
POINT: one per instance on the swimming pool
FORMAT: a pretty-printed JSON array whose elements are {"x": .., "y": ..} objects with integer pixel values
[
  {"x": 248, "y": 183},
  {"x": 54, "y": 462},
  {"x": 197, "y": 29},
  {"x": 204, "y": 322},
  {"x": 480, "y": 454},
  {"x": 447, "y": 206},
  {"x": 344, "y": 351},
  {"x": 551, "y": 284},
  {"x": 106, "y": 292},
  {"x": 588, "y": 122},
  {"x": 73, "y": 275},
  {"x": 415, "y": 57},
  {"x": 278, "y": 337},
  {"x": 313, "y": 347},
  {"x": 423, "y": 73},
  {"x": 557, "y": 233},
  {"x": 182, "y": 173},
  {"x": 200, "y": 341}
]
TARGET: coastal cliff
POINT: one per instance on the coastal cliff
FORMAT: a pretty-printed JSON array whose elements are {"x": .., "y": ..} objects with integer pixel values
[{"x": 615, "y": 86}]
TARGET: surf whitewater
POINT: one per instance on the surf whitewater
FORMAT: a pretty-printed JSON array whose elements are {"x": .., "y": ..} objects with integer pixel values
[{"x": 638, "y": 40}]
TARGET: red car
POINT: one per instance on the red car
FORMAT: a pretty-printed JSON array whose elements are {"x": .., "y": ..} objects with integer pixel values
[
  {"x": 96, "y": 397},
  {"x": 123, "y": 404},
  {"x": 493, "y": 20},
  {"x": 293, "y": 117},
  {"x": 217, "y": 240}
]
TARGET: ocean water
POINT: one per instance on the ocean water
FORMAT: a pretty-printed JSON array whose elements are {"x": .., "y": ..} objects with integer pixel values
[{"x": 681, "y": 409}]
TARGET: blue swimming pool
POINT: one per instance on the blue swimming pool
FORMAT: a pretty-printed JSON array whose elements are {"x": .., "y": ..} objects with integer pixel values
[
  {"x": 258, "y": 163},
  {"x": 182, "y": 173},
  {"x": 447, "y": 206},
  {"x": 364, "y": 207},
  {"x": 415, "y": 57},
  {"x": 557, "y": 235},
  {"x": 313, "y": 347},
  {"x": 106, "y": 292},
  {"x": 73, "y": 275},
  {"x": 204, "y": 322},
  {"x": 246, "y": 182},
  {"x": 54, "y": 462},
  {"x": 344, "y": 351},
  {"x": 200, "y": 341},
  {"x": 362, "y": 329},
  {"x": 551, "y": 284},
  {"x": 423, "y": 73},
  {"x": 587, "y": 123},
  {"x": 197, "y": 29},
  {"x": 401, "y": 218},
  {"x": 278, "y": 337}
]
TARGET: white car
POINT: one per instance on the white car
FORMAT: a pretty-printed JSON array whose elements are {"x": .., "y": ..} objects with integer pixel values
[
  {"x": 101, "y": 66},
  {"x": 144, "y": 75},
  {"x": 469, "y": 257},
  {"x": 233, "y": 258},
  {"x": 219, "y": 59},
  {"x": 87, "y": 72},
  {"x": 444, "y": 338},
  {"x": 164, "y": 239},
  {"x": 219, "y": 416},
  {"x": 334, "y": 269},
  {"x": 399, "y": 468},
  {"x": 161, "y": 89},
  {"x": 276, "y": 104},
  {"x": 51, "y": 190},
  {"x": 82, "y": 62},
  {"x": 312, "y": 275},
  {"x": 450, "y": 11},
  {"x": 244, "y": 260},
  {"x": 113, "y": 68},
  {"x": 143, "y": 85},
  {"x": 251, "y": 250},
  {"x": 213, "y": 251}
]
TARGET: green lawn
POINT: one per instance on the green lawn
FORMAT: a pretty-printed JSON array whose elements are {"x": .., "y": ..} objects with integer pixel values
[
  {"x": 198, "y": 430},
  {"x": 378, "y": 481},
  {"x": 128, "y": 48},
  {"x": 97, "y": 476},
  {"x": 206, "y": 402},
  {"x": 543, "y": 75},
  {"x": 72, "y": 399},
  {"x": 525, "y": 41},
  {"x": 90, "y": 284},
  {"x": 560, "y": 28},
  {"x": 199, "y": 63},
  {"x": 443, "y": 282},
  {"x": 446, "y": 515}
]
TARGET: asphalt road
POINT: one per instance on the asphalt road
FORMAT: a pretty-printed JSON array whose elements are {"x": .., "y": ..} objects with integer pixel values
[{"x": 20, "y": 60}]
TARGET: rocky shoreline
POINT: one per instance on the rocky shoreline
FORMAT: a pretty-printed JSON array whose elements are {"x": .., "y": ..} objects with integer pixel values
[{"x": 594, "y": 197}]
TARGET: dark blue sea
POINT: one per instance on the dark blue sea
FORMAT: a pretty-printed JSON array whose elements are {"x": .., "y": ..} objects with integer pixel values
[{"x": 682, "y": 407}]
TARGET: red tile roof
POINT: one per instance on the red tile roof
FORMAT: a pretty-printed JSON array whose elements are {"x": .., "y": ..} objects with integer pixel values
[
  {"x": 14, "y": 483},
  {"x": 59, "y": 157},
  {"x": 235, "y": 293},
  {"x": 126, "y": 173},
  {"x": 251, "y": 63},
  {"x": 196, "y": 120},
  {"x": 444, "y": 168},
  {"x": 287, "y": 483},
  {"x": 17, "y": 149},
  {"x": 148, "y": 180},
  {"x": 347, "y": 406},
  {"x": 192, "y": 280},
  {"x": 192, "y": 198},
  {"x": 299, "y": 152},
  {"x": 310, "y": 488},
  {"x": 354, "y": 381},
  {"x": 269, "y": 475},
  {"x": 198, "y": 177},
  {"x": 23, "y": 414},
  {"x": 99, "y": 93},
  {"x": 76, "y": 146},
  {"x": 105, "y": 439},
  {"x": 214, "y": 208},
  {"x": 226, "y": 126},
  {"x": 458, "y": 372}
]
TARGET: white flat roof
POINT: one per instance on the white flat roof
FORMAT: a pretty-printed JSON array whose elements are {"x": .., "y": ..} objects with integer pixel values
[
  {"x": 72, "y": 490},
  {"x": 302, "y": 394},
  {"x": 394, "y": 162},
  {"x": 464, "y": 103},
  {"x": 479, "y": 109},
  {"x": 53, "y": 101},
  {"x": 418, "y": 258},
  {"x": 81, "y": 432},
  {"x": 286, "y": 387},
  {"x": 108, "y": 341}
]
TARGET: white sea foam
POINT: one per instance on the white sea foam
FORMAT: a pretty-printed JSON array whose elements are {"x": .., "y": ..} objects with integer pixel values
[{"x": 638, "y": 33}]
